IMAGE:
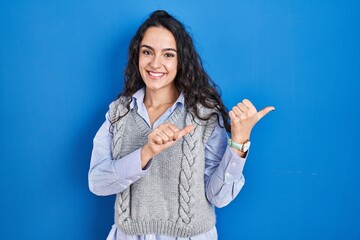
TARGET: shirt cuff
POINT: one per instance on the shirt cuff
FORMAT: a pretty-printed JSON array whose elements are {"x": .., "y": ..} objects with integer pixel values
[
  {"x": 129, "y": 166},
  {"x": 233, "y": 165}
]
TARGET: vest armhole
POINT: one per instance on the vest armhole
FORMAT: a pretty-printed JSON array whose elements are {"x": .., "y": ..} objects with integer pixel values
[
  {"x": 209, "y": 124},
  {"x": 209, "y": 128},
  {"x": 116, "y": 108}
]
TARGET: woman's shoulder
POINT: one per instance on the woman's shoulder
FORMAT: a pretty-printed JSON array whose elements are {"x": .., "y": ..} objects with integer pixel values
[
  {"x": 206, "y": 111},
  {"x": 119, "y": 102},
  {"x": 118, "y": 107},
  {"x": 206, "y": 120}
]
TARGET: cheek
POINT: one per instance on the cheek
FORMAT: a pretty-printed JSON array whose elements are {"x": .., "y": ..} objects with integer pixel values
[
  {"x": 173, "y": 66},
  {"x": 141, "y": 62},
  {"x": 141, "y": 67}
]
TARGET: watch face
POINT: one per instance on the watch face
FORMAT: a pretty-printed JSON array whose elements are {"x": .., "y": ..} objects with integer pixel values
[{"x": 246, "y": 146}]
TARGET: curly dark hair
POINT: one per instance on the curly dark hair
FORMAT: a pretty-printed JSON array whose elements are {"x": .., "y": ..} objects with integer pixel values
[{"x": 191, "y": 79}]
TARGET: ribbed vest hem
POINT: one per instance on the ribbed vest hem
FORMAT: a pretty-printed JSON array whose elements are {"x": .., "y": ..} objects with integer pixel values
[{"x": 166, "y": 228}]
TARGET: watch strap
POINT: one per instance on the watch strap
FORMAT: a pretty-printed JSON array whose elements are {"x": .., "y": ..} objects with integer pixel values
[{"x": 237, "y": 146}]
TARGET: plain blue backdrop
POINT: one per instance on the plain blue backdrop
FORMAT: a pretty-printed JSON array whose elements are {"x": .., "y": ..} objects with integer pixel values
[{"x": 61, "y": 64}]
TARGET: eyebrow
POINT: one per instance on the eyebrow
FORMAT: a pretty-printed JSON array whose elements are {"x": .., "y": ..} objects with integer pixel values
[{"x": 164, "y": 49}]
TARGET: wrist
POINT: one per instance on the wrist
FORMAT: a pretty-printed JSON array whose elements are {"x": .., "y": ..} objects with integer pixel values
[
  {"x": 240, "y": 139},
  {"x": 146, "y": 155},
  {"x": 242, "y": 146},
  {"x": 240, "y": 135}
]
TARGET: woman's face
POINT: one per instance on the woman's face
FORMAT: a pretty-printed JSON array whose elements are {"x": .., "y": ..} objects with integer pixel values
[{"x": 158, "y": 58}]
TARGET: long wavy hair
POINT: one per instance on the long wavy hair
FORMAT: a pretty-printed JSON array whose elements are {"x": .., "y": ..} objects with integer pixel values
[{"x": 191, "y": 79}]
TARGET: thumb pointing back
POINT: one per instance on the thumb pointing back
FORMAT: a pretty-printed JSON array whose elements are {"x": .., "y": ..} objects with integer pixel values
[
  {"x": 265, "y": 111},
  {"x": 185, "y": 131}
]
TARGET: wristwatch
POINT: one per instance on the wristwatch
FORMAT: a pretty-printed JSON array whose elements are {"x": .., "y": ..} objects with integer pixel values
[{"x": 241, "y": 147}]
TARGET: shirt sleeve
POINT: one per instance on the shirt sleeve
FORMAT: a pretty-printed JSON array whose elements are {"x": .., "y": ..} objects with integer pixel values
[
  {"x": 223, "y": 169},
  {"x": 106, "y": 175}
]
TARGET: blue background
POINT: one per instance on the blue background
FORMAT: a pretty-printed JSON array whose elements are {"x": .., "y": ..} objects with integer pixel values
[{"x": 61, "y": 63}]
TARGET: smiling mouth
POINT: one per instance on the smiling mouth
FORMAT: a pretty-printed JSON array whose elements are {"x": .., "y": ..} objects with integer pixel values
[{"x": 155, "y": 74}]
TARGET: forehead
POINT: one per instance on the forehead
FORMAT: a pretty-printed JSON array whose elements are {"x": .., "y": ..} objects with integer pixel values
[{"x": 159, "y": 38}]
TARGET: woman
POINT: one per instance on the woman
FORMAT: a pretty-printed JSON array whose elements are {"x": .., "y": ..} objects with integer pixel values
[{"x": 163, "y": 148}]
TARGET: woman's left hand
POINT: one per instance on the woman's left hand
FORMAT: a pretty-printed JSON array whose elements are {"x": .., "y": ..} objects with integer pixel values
[{"x": 243, "y": 118}]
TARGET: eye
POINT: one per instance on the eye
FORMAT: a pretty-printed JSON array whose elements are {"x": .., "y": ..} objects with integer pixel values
[
  {"x": 169, "y": 55},
  {"x": 146, "y": 52}
]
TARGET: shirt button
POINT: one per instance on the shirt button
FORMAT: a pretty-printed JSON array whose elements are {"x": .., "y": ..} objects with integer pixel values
[
  {"x": 233, "y": 163},
  {"x": 228, "y": 174}
]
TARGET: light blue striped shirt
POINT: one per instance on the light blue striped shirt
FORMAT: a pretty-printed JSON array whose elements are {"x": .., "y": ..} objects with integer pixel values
[{"x": 223, "y": 168}]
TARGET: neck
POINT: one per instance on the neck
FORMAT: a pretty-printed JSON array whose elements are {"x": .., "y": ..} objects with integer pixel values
[{"x": 160, "y": 97}]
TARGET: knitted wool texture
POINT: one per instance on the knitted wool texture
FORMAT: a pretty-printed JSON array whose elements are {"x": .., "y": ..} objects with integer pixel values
[{"x": 170, "y": 200}]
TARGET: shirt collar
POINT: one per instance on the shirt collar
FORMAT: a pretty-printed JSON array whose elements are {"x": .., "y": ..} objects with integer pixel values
[{"x": 138, "y": 100}]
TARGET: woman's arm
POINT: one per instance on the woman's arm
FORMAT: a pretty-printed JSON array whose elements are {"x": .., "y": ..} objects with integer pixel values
[
  {"x": 223, "y": 169},
  {"x": 108, "y": 176},
  {"x": 224, "y": 165}
]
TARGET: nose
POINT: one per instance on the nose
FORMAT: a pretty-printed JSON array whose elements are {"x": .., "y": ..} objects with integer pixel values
[{"x": 156, "y": 61}]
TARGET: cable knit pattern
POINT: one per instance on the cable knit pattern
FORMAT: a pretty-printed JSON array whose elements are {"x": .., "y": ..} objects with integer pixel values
[
  {"x": 170, "y": 200},
  {"x": 188, "y": 166},
  {"x": 186, "y": 174},
  {"x": 117, "y": 108}
]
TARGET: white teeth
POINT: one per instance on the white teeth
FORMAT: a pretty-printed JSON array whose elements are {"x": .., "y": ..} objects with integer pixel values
[{"x": 156, "y": 74}]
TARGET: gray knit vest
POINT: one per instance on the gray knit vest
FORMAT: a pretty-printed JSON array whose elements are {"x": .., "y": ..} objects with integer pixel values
[{"x": 170, "y": 200}]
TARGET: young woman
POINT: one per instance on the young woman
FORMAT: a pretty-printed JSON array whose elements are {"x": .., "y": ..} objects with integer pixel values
[{"x": 163, "y": 148}]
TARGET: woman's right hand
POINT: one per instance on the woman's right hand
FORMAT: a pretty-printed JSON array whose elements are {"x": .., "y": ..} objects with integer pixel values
[{"x": 162, "y": 137}]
